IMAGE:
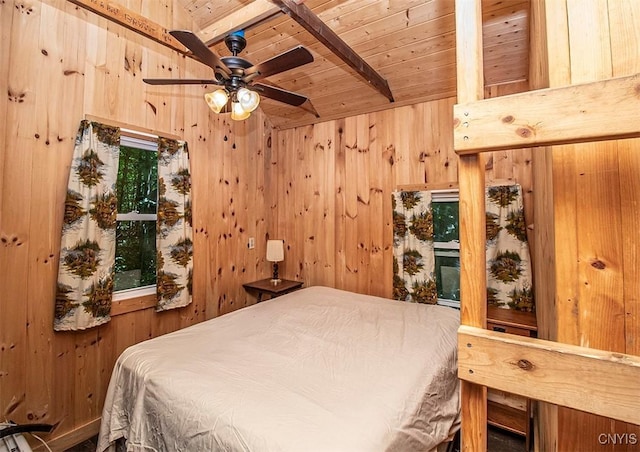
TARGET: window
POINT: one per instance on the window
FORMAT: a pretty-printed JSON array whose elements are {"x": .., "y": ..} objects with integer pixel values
[
  {"x": 137, "y": 192},
  {"x": 444, "y": 205}
]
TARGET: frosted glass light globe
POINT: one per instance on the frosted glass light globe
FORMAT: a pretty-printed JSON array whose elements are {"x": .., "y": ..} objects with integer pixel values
[
  {"x": 217, "y": 100},
  {"x": 248, "y": 99},
  {"x": 238, "y": 113}
]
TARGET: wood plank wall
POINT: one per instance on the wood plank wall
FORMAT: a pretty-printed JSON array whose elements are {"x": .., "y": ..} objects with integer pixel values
[
  {"x": 58, "y": 63},
  {"x": 596, "y": 194},
  {"x": 334, "y": 181},
  {"x": 325, "y": 189}
]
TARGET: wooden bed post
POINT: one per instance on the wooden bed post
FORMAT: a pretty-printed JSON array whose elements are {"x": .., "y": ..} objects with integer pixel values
[{"x": 470, "y": 87}]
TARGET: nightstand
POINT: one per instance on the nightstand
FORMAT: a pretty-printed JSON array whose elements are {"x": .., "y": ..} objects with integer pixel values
[
  {"x": 265, "y": 286},
  {"x": 504, "y": 410}
]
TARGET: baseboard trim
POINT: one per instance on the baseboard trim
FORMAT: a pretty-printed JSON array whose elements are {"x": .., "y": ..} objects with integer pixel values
[{"x": 72, "y": 438}]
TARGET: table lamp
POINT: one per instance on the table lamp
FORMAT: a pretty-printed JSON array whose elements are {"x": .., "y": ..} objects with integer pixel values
[{"x": 275, "y": 254}]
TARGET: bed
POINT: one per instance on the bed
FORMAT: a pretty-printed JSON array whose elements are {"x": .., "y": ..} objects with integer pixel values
[{"x": 319, "y": 369}]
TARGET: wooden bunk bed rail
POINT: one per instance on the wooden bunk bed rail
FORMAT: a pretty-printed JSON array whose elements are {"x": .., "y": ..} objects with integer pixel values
[
  {"x": 589, "y": 380},
  {"x": 572, "y": 114},
  {"x": 595, "y": 381}
]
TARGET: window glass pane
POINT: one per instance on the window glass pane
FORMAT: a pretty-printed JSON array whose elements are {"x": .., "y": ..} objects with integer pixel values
[
  {"x": 137, "y": 183},
  {"x": 445, "y": 221},
  {"x": 448, "y": 274},
  {"x": 135, "y": 254}
]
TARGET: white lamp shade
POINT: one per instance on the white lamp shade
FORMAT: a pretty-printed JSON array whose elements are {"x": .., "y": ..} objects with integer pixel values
[
  {"x": 217, "y": 100},
  {"x": 275, "y": 250},
  {"x": 238, "y": 113},
  {"x": 249, "y": 100}
]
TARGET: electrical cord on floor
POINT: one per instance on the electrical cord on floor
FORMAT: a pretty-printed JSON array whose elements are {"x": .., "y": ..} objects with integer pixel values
[
  {"x": 46, "y": 446},
  {"x": 14, "y": 431}
]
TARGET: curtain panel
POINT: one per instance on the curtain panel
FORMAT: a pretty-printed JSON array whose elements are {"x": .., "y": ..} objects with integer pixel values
[
  {"x": 509, "y": 275},
  {"x": 87, "y": 249},
  {"x": 174, "y": 241},
  {"x": 88, "y": 246},
  {"x": 413, "y": 253},
  {"x": 508, "y": 263}
]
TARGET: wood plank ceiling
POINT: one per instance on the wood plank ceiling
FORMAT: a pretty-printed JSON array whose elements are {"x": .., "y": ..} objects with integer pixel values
[{"x": 410, "y": 43}]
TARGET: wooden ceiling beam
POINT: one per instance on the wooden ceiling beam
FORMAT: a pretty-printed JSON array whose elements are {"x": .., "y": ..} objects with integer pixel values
[
  {"x": 314, "y": 25},
  {"x": 117, "y": 13},
  {"x": 261, "y": 10},
  {"x": 252, "y": 14}
]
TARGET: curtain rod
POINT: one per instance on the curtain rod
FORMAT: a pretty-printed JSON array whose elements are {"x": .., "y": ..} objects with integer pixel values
[{"x": 131, "y": 129}]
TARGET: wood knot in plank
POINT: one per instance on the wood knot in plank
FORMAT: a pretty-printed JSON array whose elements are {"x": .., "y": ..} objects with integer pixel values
[
  {"x": 153, "y": 107},
  {"x": 16, "y": 97},
  {"x": 598, "y": 264},
  {"x": 524, "y": 364},
  {"x": 489, "y": 164},
  {"x": 14, "y": 404},
  {"x": 10, "y": 241},
  {"x": 524, "y": 132},
  {"x": 362, "y": 201},
  {"x": 508, "y": 119},
  {"x": 24, "y": 9}
]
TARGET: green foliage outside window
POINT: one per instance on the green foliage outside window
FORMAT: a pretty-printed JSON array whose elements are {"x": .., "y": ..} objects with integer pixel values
[
  {"x": 137, "y": 192},
  {"x": 447, "y": 261},
  {"x": 445, "y": 221},
  {"x": 137, "y": 184}
]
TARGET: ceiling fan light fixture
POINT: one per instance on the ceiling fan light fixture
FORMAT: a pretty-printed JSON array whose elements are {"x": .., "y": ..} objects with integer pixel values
[
  {"x": 238, "y": 113},
  {"x": 249, "y": 100},
  {"x": 217, "y": 100},
  {"x": 236, "y": 76}
]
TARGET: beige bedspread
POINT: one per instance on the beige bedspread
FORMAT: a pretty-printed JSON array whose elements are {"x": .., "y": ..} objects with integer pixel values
[{"x": 319, "y": 369}]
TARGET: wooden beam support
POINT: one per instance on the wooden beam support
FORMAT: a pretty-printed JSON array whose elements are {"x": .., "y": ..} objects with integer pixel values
[
  {"x": 312, "y": 23},
  {"x": 117, "y": 13},
  {"x": 250, "y": 15},
  {"x": 572, "y": 114},
  {"x": 473, "y": 283},
  {"x": 586, "y": 379}
]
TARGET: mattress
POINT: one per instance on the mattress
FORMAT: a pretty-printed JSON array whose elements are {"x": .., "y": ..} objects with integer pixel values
[{"x": 319, "y": 369}]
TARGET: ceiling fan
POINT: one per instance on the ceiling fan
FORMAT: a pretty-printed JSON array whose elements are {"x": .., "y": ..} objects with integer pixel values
[{"x": 237, "y": 75}]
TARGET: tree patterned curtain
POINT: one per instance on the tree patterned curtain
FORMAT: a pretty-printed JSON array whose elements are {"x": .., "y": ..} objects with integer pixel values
[
  {"x": 174, "y": 227},
  {"x": 413, "y": 254},
  {"x": 509, "y": 282},
  {"x": 87, "y": 251}
]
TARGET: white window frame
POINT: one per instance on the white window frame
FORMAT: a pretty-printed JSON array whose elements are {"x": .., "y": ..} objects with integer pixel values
[
  {"x": 451, "y": 248},
  {"x": 148, "y": 142}
]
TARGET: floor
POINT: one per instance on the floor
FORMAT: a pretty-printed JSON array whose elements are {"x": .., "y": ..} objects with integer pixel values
[{"x": 499, "y": 441}]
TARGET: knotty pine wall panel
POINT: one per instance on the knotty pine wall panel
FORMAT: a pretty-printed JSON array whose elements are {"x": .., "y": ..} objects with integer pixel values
[
  {"x": 334, "y": 180},
  {"x": 595, "y": 194},
  {"x": 58, "y": 63}
]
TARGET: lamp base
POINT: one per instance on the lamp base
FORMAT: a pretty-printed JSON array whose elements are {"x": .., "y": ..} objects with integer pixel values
[{"x": 275, "y": 280}]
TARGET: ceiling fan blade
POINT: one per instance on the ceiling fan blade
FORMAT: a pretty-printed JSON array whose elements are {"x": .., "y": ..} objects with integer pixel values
[
  {"x": 283, "y": 62},
  {"x": 280, "y": 94},
  {"x": 200, "y": 50},
  {"x": 178, "y": 81}
]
